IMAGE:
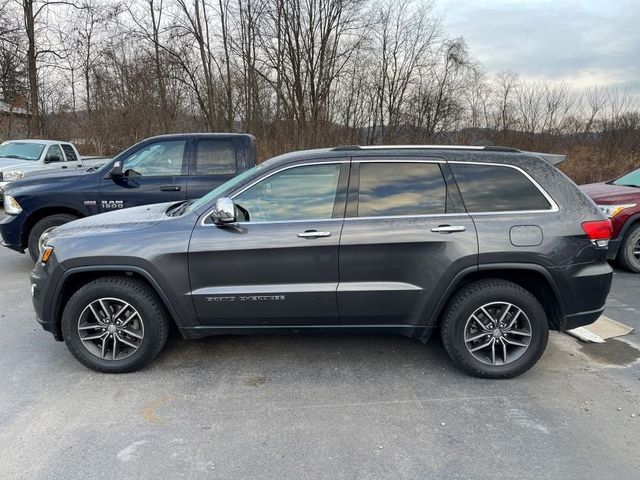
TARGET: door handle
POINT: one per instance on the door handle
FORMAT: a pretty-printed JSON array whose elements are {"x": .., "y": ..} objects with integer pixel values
[
  {"x": 170, "y": 188},
  {"x": 63, "y": 166},
  {"x": 448, "y": 229},
  {"x": 313, "y": 234}
]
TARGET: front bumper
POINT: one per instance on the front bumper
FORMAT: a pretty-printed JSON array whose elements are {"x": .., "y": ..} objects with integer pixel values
[
  {"x": 11, "y": 231},
  {"x": 44, "y": 280}
]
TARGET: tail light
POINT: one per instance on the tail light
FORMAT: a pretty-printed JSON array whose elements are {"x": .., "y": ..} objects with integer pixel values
[{"x": 598, "y": 231}]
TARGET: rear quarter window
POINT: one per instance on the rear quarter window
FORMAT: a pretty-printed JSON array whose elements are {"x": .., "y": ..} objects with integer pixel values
[{"x": 494, "y": 188}]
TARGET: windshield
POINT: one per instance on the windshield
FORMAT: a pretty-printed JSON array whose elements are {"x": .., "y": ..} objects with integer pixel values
[
  {"x": 21, "y": 151},
  {"x": 229, "y": 185},
  {"x": 630, "y": 179}
]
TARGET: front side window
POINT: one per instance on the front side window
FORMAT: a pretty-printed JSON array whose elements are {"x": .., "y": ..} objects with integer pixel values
[
  {"x": 215, "y": 157},
  {"x": 54, "y": 154},
  {"x": 494, "y": 188},
  {"x": 300, "y": 193},
  {"x": 156, "y": 160},
  {"x": 396, "y": 188},
  {"x": 21, "y": 151}
]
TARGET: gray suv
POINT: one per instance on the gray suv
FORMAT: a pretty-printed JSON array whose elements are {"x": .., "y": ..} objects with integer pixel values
[{"x": 490, "y": 246}]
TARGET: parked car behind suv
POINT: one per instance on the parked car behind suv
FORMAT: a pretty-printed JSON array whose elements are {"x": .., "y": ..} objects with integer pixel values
[
  {"x": 491, "y": 246},
  {"x": 619, "y": 199},
  {"x": 159, "y": 169}
]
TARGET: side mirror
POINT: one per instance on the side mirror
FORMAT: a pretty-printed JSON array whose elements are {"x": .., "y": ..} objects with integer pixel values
[
  {"x": 52, "y": 159},
  {"x": 224, "y": 211},
  {"x": 116, "y": 170}
]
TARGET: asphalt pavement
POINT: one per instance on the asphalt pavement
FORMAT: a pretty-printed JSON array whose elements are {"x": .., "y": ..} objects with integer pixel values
[{"x": 324, "y": 406}]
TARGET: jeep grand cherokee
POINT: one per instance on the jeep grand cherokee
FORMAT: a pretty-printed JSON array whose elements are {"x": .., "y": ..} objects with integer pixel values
[{"x": 489, "y": 246}]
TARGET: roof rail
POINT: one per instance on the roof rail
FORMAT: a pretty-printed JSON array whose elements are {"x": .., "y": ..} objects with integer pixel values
[{"x": 431, "y": 147}]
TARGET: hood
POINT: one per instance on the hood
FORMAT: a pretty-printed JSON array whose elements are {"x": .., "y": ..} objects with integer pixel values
[
  {"x": 45, "y": 178},
  {"x": 135, "y": 218},
  {"x": 608, "y": 193},
  {"x": 15, "y": 164}
]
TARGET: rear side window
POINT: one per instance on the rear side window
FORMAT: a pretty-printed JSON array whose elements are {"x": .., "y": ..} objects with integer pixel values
[
  {"x": 69, "y": 152},
  {"x": 395, "y": 188},
  {"x": 215, "y": 157},
  {"x": 493, "y": 188}
]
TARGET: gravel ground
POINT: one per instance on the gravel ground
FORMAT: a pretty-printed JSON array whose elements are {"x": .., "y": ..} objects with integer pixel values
[{"x": 314, "y": 407}]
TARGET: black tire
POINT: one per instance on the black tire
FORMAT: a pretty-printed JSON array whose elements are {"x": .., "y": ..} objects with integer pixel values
[
  {"x": 40, "y": 227},
  {"x": 626, "y": 256},
  {"x": 140, "y": 296},
  {"x": 471, "y": 297}
]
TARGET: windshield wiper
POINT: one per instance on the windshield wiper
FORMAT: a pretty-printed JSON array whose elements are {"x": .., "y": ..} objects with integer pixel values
[
  {"x": 17, "y": 157},
  {"x": 627, "y": 185}
]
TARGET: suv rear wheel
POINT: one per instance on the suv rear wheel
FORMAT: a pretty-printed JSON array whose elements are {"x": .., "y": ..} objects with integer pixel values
[
  {"x": 41, "y": 228},
  {"x": 629, "y": 255},
  {"x": 494, "y": 329},
  {"x": 115, "y": 325}
]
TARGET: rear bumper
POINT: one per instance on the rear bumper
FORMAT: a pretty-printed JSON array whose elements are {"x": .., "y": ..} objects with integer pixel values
[
  {"x": 581, "y": 319},
  {"x": 583, "y": 289}
]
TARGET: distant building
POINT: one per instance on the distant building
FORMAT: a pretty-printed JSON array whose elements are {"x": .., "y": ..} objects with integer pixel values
[{"x": 14, "y": 122}]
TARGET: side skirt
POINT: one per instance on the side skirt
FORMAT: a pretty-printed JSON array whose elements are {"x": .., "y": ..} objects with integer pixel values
[{"x": 206, "y": 331}]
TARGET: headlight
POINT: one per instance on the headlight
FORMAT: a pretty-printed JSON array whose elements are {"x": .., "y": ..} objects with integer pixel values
[
  {"x": 11, "y": 205},
  {"x": 613, "y": 210},
  {"x": 12, "y": 175}
]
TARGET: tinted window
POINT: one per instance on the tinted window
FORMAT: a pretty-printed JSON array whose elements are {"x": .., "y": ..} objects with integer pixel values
[
  {"x": 488, "y": 188},
  {"x": 70, "y": 152},
  {"x": 157, "y": 159},
  {"x": 401, "y": 189},
  {"x": 301, "y": 193},
  {"x": 215, "y": 157},
  {"x": 54, "y": 154}
]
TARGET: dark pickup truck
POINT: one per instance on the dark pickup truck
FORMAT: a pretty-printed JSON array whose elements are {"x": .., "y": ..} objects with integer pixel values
[{"x": 166, "y": 168}]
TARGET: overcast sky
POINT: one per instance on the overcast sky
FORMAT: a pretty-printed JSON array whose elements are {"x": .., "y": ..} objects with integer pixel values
[{"x": 590, "y": 42}]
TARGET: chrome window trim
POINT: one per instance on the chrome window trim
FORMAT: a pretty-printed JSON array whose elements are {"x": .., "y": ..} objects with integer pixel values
[
  {"x": 286, "y": 167},
  {"x": 554, "y": 206}
]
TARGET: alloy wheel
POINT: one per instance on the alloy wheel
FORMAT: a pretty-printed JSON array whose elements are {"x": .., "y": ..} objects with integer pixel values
[
  {"x": 497, "y": 333},
  {"x": 111, "y": 329}
]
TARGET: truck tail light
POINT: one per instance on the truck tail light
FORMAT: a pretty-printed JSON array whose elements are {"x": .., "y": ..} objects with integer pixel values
[{"x": 598, "y": 231}]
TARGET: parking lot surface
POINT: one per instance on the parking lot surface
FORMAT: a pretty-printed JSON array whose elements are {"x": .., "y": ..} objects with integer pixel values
[{"x": 324, "y": 406}]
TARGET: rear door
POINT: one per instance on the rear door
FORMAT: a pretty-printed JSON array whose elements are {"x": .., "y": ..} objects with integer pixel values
[
  {"x": 405, "y": 236},
  {"x": 72, "y": 157},
  {"x": 212, "y": 162},
  {"x": 154, "y": 173}
]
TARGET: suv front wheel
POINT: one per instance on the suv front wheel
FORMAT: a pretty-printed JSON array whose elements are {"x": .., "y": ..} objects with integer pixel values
[
  {"x": 115, "y": 324},
  {"x": 494, "y": 329}
]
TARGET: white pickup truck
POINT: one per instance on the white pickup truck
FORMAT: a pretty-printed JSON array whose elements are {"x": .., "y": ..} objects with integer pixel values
[{"x": 22, "y": 158}]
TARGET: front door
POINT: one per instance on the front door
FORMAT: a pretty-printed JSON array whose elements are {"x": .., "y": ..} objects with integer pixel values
[
  {"x": 404, "y": 237},
  {"x": 155, "y": 173},
  {"x": 279, "y": 266}
]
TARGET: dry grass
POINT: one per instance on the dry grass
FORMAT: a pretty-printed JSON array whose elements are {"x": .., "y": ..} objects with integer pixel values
[{"x": 589, "y": 165}]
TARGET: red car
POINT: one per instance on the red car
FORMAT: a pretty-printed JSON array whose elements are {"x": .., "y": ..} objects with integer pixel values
[{"x": 620, "y": 200}]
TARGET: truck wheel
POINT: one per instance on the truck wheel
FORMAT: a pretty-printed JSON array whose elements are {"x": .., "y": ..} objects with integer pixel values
[
  {"x": 494, "y": 329},
  {"x": 629, "y": 254},
  {"x": 44, "y": 226},
  {"x": 115, "y": 325}
]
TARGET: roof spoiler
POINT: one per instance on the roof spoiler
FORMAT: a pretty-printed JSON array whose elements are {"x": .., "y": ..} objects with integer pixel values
[{"x": 552, "y": 158}]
